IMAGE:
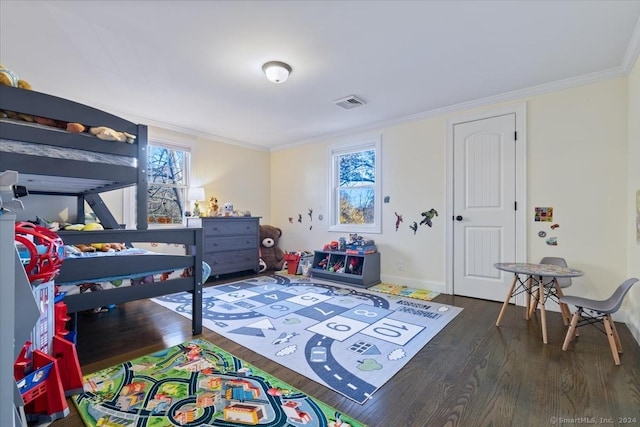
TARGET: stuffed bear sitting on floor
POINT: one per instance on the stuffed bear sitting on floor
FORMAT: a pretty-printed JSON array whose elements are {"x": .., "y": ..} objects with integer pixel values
[{"x": 270, "y": 253}]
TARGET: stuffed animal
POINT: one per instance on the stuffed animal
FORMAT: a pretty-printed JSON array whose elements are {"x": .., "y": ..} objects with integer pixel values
[
  {"x": 9, "y": 78},
  {"x": 108, "y": 134},
  {"x": 270, "y": 253},
  {"x": 109, "y": 247},
  {"x": 213, "y": 206},
  {"x": 227, "y": 209}
]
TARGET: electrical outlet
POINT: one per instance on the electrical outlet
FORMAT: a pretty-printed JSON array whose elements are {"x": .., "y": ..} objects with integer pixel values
[{"x": 400, "y": 265}]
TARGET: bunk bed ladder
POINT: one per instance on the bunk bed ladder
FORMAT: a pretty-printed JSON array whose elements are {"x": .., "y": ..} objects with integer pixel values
[{"x": 99, "y": 208}]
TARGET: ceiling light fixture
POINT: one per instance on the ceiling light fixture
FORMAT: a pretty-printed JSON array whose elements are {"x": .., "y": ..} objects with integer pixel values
[{"x": 276, "y": 71}]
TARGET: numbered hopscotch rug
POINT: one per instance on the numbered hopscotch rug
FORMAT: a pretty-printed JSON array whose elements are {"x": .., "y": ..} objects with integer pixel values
[{"x": 351, "y": 340}]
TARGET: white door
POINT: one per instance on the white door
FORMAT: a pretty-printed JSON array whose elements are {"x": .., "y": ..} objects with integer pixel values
[{"x": 484, "y": 205}]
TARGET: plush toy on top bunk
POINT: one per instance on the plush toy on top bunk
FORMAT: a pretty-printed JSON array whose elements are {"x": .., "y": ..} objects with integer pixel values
[
  {"x": 9, "y": 78},
  {"x": 108, "y": 134}
]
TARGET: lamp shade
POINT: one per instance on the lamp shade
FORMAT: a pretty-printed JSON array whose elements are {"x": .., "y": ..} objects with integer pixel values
[
  {"x": 276, "y": 71},
  {"x": 196, "y": 194}
]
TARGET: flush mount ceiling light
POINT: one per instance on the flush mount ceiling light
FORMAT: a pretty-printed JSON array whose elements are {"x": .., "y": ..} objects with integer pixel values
[{"x": 276, "y": 71}]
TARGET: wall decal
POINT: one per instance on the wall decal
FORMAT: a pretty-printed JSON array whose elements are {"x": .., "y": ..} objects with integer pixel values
[
  {"x": 428, "y": 216},
  {"x": 310, "y": 214},
  {"x": 552, "y": 241},
  {"x": 542, "y": 234},
  {"x": 414, "y": 227},
  {"x": 300, "y": 218},
  {"x": 398, "y": 220},
  {"x": 554, "y": 226},
  {"x": 544, "y": 214}
]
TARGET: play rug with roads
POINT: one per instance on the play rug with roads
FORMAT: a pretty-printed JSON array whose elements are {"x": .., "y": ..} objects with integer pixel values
[
  {"x": 347, "y": 339},
  {"x": 197, "y": 384}
]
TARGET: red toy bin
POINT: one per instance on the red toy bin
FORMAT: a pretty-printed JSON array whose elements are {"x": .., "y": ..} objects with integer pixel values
[{"x": 292, "y": 262}]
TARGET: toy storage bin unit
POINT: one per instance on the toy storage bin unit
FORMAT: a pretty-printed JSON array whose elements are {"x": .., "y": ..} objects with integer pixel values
[{"x": 365, "y": 275}]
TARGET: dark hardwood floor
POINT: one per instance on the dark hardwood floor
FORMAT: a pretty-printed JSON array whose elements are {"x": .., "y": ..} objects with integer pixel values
[{"x": 471, "y": 374}]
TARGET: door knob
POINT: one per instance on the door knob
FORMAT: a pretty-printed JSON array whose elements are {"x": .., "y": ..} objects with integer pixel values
[{"x": 459, "y": 218}]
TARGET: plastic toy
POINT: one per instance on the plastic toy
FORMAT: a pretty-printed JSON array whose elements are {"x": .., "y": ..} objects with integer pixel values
[
  {"x": 355, "y": 266},
  {"x": 43, "y": 251},
  {"x": 41, "y": 388}
]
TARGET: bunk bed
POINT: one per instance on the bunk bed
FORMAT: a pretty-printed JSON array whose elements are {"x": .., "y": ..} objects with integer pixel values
[{"x": 53, "y": 161}]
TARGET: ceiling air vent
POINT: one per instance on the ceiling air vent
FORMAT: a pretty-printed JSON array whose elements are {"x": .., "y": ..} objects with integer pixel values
[{"x": 349, "y": 102}]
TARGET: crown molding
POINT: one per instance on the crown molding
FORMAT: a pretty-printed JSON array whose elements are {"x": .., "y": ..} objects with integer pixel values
[
  {"x": 633, "y": 50},
  {"x": 481, "y": 102}
]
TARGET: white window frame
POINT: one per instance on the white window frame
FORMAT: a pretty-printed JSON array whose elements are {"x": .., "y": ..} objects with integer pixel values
[
  {"x": 130, "y": 193},
  {"x": 361, "y": 144}
]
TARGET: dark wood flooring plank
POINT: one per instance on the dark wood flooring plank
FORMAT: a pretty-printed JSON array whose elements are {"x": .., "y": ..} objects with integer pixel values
[{"x": 471, "y": 374}]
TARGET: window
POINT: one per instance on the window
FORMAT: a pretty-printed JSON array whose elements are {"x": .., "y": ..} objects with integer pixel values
[
  {"x": 355, "y": 187},
  {"x": 167, "y": 171}
]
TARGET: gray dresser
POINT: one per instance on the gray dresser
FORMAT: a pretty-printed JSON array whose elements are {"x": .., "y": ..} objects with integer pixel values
[{"x": 231, "y": 244}]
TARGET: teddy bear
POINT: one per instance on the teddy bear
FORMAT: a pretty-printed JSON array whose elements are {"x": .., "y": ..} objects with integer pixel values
[{"x": 270, "y": 253}]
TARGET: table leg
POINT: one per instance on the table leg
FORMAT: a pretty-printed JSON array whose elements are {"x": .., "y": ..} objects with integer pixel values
[
  {"x": 527, "y": 313},
  {"x": 543, "y": 311},
  {"x": 506, "y": 300},
  {"x": 534, "y": 304}
]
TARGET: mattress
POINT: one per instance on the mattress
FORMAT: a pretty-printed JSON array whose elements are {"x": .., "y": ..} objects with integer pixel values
[
  {"x": 41, "y": 150},
  {"x": 113, "y": 282}
]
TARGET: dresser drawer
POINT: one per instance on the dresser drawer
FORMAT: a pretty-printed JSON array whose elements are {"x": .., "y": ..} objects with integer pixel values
[
  {"x": 234, "y": 227},
  {"x": 227, "y": 262},
  {"x": 230, "y": 243}
]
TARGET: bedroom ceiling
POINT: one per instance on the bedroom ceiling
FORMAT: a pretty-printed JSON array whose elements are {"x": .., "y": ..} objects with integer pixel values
[{"x": 195, "y": 66}]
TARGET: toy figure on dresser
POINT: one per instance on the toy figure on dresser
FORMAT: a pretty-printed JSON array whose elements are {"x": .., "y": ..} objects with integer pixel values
[
  {"x": 213, "y": 206},
  {"x": 196, "y": 209},
  {"x": 227, "y": 209}
]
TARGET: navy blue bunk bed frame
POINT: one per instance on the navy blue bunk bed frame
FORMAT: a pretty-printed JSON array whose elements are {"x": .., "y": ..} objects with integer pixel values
[{"x": 49, "y": 176}]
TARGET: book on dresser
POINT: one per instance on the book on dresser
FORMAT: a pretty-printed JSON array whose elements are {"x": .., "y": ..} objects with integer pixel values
[{"x": 231, "y": 244}]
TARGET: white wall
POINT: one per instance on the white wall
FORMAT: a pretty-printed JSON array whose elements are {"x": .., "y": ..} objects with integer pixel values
[
  {"x": 413, "y": 173},
  {"x": 233, "y": 174},
  {"x": 632, "y": 303},
  {"x": 577, "y": 163}
]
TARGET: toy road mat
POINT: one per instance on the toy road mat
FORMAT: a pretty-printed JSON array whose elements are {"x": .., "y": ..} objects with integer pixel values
[
  {"x": 197, "y": 384},
  {"x": 347, "y": 339}
]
